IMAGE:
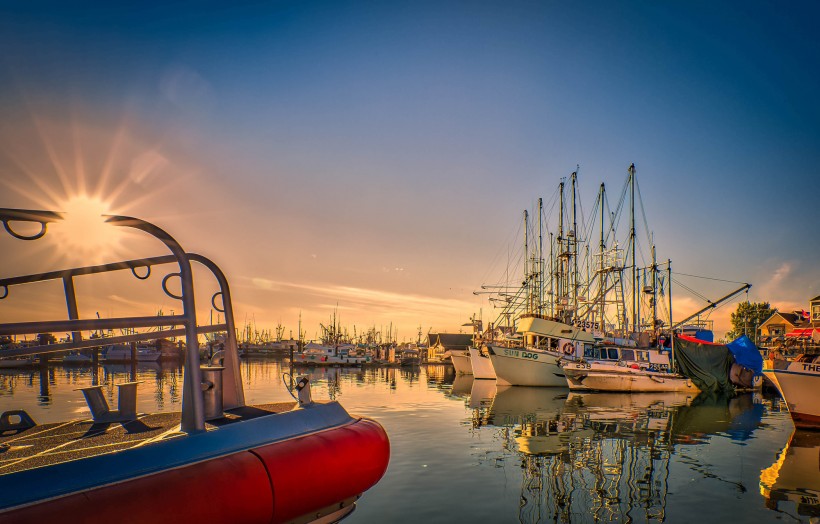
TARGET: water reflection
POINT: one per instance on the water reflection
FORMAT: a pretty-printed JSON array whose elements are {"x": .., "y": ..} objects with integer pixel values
[
  {"x": 603, "y": 456},
  {"x": 792, "y": 483}
]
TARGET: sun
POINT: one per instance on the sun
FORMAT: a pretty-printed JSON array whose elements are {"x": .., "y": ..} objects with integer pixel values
[{"x": 83, "y": 233}]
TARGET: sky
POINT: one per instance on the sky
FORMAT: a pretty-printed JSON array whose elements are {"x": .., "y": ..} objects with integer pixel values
[{"x": 373, "y": 159}]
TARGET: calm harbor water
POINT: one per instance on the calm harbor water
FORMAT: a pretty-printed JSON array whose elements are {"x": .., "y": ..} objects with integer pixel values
[{"x": 465, "y": 450}]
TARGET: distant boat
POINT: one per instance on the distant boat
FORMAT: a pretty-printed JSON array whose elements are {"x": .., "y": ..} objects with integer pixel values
[
  {"x": 77, "y": 358},
  {"x": 409, "y": 358},
  {"x": 14, "y": 363}
]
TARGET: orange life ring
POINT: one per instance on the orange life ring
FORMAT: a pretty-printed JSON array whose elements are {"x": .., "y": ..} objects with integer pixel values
[{"x": 569, "y": 348}]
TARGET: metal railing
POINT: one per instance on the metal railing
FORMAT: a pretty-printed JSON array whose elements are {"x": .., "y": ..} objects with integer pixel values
[{"x": 192, "y": 419}]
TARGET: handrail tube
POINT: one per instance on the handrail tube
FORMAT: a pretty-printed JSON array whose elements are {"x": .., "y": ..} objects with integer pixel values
[
  {"x": 91, "y": 324},
  {"x": 88, "y": 270},
  {"x": 233, "y": 395},
  {"x": 106, "y": 341},
  {"x": 193, "y": 405}
]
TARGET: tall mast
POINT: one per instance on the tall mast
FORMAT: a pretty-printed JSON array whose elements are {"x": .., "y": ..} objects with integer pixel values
[
  {"x": 552, "y": 278},
  {"x": 560, "y": 239},
  {"x": 574, "y": 248},
  {"x": 527, "y": 290},
  {"x": 671, "y": 324},
  {"x": 602, "y": 247},
  {"x": 654, "y": 290},
  {"x": 540, "y": 256},
  {"x": 632, "y": 241}
]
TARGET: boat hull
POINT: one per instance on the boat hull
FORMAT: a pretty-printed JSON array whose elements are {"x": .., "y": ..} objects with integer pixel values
[
  {"x": 798, "y": 384},
  {"x": 461, "y": 362},
  {"x": 248, "y": 472},
  {"x": 481, "y": 364},
  {"x": 521, "y": 367},
  {"x": 596, "y": 377}
]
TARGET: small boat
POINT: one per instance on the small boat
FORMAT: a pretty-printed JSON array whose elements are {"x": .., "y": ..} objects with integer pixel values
[
  {"x": 218, "y": 460},
  {"x": 16, "y": 363},
  {"x": 330, "y": 355},
  {"x": 409, "y": 358},
  {"x": 77, "y": 358}
]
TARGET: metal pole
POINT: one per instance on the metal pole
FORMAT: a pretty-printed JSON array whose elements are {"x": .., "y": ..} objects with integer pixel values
[
  {"x": 193, "y": 410},
  {"x": 671, "y": 324}
]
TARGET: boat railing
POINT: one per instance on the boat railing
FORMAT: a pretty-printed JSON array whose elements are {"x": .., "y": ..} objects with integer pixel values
[{"x": 185, "y": 324}]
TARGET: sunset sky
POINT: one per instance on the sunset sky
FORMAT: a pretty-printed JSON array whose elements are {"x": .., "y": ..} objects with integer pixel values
[{"x": 375, "y": 158}]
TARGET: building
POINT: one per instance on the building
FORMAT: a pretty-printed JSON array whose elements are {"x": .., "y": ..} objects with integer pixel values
[
  {"x": 439, "y": 343},
  {"x": 798, "y": 328}
]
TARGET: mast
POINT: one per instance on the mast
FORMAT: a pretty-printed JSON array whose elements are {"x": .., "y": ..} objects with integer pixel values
[
  {"x": 671, "y": 324},
  {"x": 560, "y": 239},
  {"x": 632, "y": 241},
  {"x": 574, "y": 234},
  {"x": 527, "y": 263},
  {"x": 654, "y": 290},
  {"x": 540, "y": 256},
  {"x": 602, "y": 247},
  {"x": 552, "y": 278}
]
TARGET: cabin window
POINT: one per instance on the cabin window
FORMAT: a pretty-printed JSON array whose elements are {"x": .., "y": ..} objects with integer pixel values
[
  {"x": 589, "y": 352},
  {"x": 643, "y": 356},
  {"x": 613, "y": 354},
  {"x": 627, "y": 354},
  {"x": 815, "y": 312},
  {"x": 777, "y": 330}
]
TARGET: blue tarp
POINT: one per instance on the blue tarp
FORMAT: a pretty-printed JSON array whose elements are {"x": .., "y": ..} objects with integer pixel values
[{"x": 746, "y": 354}]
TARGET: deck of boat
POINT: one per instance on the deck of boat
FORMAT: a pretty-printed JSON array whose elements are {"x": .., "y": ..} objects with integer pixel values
[{"x": 48, "y": 444}]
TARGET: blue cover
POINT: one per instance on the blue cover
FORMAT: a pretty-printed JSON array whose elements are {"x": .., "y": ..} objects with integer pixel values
[
  {"x": 705, "y": 334},
  {"x": 746, "y": 354}
]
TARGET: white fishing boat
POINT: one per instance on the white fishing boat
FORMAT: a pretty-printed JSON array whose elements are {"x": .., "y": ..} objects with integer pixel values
[
  {"x": 622, "y": 378},
  {"x": 76, "y": 358},
  {"x": 148, "y": 354},
  {"x": 324, "y": 355},
  {"x": 799, "y": 381},
  {"x": 461, "y": 361},
  {"x": 117, "y": 353},
  {"x": 535, "y": 360},
  {"x": 481, "y": 364}
]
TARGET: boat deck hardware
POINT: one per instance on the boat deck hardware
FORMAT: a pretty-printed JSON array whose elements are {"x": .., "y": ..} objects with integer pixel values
[
  {"x": 23, "y": 421},
  {"x": 126, "y": 403}
]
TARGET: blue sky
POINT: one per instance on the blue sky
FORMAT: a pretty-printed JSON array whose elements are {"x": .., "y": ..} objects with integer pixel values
[{"x": 362, "y": 153}]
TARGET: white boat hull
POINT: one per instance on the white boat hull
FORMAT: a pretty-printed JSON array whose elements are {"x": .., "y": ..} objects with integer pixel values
[
  {"x": 523, "y": 367},
  {"x": 799, "y": 383},
  {"x": 461, "y": 362},
  {"x": 614, "y": 378},
  {"x": 481, "y": 364}
]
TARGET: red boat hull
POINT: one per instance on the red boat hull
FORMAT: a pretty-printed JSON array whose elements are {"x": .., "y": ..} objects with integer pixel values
[{"x": 274, "y": 483}]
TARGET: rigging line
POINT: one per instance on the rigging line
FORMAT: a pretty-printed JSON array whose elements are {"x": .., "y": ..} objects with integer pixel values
[
  {"x": 709, "y": 278},
  {"x": 691, "y": 290},
  {"x": 643, "y": 212}
]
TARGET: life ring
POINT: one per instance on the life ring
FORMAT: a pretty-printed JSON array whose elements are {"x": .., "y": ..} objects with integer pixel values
[{"x": 569, "y": 348}]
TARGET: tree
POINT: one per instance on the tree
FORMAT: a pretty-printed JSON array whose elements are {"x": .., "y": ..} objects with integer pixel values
[{"x": 747, "y": 319}]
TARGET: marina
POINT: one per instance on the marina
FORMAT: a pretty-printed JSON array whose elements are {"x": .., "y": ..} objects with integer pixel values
[
  {"x": 409, "y": 262},
  {"x": 474, "y": 450}
]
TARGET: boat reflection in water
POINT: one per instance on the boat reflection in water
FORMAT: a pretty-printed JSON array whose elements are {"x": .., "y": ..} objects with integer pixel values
[
  {"x": 792, "y": 483},
  {"x": 606, "y": 456}
]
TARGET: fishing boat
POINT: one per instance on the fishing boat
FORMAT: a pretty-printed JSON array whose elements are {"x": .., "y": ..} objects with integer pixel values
[
  {"x": 323, "y": 355},
  {"x": 798, "y": 381},
  {"x": 622, "y": 378},
  {"x": 481, "y": 364},
  {"x": 218, "y": 460},
  {"x": 409, "y": 357}
]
